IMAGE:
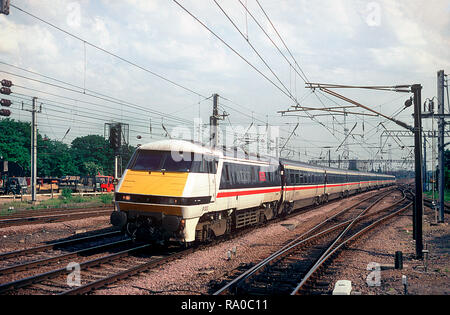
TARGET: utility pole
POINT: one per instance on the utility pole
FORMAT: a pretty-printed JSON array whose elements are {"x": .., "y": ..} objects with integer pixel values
[
  {"x": 34, "y": 112},
  {"x": 329, "y": 158},
  {"x": 441, "y": 147},
  {"x": 417, "y": 130},
  {"x": 33, "y": 150},
  {"x": 425, "y": 177},
  {"x": 418, "y": 209},
  {"x": 214, "y": 121}
]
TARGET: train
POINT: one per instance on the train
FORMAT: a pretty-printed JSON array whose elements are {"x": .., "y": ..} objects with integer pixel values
[{"x": 181, "y": 191}]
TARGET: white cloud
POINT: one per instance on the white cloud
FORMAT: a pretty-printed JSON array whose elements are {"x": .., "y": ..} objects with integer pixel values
[
  {"x": 31, "y": 40},
  {"x": 332, "y": 42}
]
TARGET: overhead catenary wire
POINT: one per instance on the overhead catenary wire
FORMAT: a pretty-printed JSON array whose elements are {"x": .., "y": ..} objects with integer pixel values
[
  {"x": 99, "y": 96},
  {"x": 305, "y": 78},
  {"x": 232, "y": 49},
  {"x": 254, "y": 49},
  {"x": 94, "y": 115},
  {"x": 74, "y": 89},
  {"x": 197, "y": 94},
  {"x": 250, "y": 64},
  {"x": 272, "y": 41},
  {"x": 110, "y": 53},
  {"x": 85, "y": 42}
]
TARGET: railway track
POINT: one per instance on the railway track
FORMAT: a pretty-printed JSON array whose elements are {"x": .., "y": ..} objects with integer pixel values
[
  {"x": 94, "y": 273},
  {"x": 101, "y": 271},
  {"x": 291, "y": 269},
  {"x": 54, "y": 215},
  {"x": 33, "y": 268}
]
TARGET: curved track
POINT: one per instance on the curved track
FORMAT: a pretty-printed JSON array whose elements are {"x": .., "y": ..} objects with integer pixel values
[
  {"x": 296, "y": 262},
  {"x": 117, "y": 261}
]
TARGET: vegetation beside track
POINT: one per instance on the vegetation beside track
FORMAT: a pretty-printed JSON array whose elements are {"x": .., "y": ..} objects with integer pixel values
[
  {"x": 429, "y": 194},
  {"x": 66, "y": 200}
]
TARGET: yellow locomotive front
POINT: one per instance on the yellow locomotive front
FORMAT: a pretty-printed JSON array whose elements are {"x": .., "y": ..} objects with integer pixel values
[{"x": 166, "y": 188}]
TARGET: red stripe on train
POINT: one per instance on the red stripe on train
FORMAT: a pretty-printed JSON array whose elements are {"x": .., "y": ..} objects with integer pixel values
[
  {"x": 247, "y": 193},
  {"x": 266, "y": 191}
]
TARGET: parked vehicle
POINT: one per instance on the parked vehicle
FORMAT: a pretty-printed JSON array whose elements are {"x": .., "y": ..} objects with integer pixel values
[
  {"x": 47, "y": 185},
  {"x": 15, "y": 186},
  {"x": 104, "y": 183}
]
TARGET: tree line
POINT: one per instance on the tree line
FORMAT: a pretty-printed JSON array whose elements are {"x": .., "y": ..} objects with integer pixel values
[{"x": 85, "y": 156}]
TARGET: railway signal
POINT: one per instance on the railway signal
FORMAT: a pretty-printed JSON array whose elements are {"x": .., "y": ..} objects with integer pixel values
[
  {"x": 6, "y": 103},
  {"x": 115, "y": 136},
  {"x": 4, "y": 7},
  {"x": 5, "y": 89},
  {"x": 7, "y": 83},
  {"x": 5, "y": 112}
]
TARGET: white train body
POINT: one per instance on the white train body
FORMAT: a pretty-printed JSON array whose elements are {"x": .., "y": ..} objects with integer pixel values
[{"x": 178, "y": 190}]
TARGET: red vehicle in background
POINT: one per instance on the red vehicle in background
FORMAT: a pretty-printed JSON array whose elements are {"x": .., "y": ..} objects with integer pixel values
[{"x": 104, "y": 183}]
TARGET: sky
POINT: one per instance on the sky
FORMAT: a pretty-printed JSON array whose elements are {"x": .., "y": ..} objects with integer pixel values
[{"x": 151, "y": 65}]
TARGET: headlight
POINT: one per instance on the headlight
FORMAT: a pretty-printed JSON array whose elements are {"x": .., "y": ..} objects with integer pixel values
[{"x": 170, "y": 201}]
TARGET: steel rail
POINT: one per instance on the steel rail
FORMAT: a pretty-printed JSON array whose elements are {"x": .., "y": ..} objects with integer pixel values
[
  {"x": 44, "y": 261},
  {"x": 44, "y": 211},
  {"x": 298, "y": 242},
  {"x": 125, "y": 274},
  {"x": 140, "y": 268},
  {"x": 51, "y": 218},
  {"x": 56, "y": 245},
  {"x": 51, "y": 274},
  {"x": 321, "y": 261},
  {"x": 145, "y": 266}
]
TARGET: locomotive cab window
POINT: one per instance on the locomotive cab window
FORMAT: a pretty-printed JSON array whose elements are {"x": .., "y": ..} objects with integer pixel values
[{"x": 145, "y": 160}]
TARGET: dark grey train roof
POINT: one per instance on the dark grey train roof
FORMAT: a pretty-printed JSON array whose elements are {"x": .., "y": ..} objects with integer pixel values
[
  {"x": 236, "y": 153},
  {"x": 325, "y": 168}
]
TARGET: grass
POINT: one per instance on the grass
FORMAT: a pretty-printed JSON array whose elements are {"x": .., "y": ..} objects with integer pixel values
[
  {"x": 63, "y": 201},
  {"x": 429, "y": 194}
]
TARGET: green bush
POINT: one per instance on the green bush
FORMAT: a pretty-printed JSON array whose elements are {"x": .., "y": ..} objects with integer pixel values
[
  {"x": 106, "y": 199},
  {"x": 66, "y": 193}
]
